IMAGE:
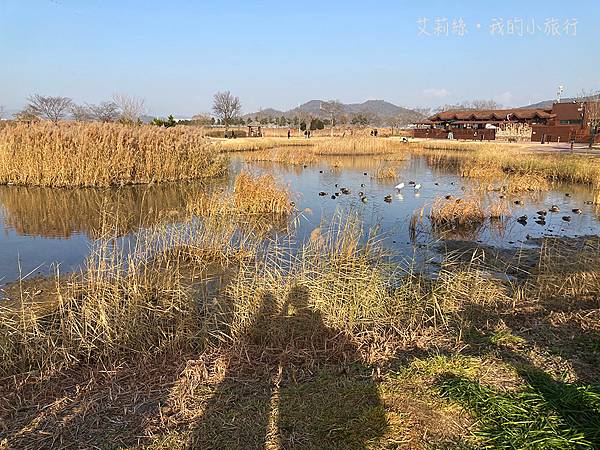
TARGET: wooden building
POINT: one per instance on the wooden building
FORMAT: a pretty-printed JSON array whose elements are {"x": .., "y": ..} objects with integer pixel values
[
  {"x": 482, "y": 124},
  {"x": 562, "y": 123},
  {"x": 571, "y": 121}
]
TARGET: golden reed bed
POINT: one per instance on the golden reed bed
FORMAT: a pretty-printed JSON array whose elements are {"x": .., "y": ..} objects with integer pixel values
[{"x": 95, "y": 154}]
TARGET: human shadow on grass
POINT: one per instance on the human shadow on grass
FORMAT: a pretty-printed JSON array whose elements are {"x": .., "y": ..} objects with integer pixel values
[{"x": 291, "y": 382}]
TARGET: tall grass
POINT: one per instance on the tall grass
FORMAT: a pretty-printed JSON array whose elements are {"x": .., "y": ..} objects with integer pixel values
[
  {"x": 94, "y": 154},
  {"x": 260, "y": 195},
  {"x": 254, "y": 144},
  {"x": 493, "y": 160},
  {"x": 358, "y": 146}
]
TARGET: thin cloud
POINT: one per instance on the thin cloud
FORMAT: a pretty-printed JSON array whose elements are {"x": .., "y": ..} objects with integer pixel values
[{"x": 436, "y": 93}]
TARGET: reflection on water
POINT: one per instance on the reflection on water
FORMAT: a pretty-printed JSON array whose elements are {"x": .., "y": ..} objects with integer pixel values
[
  {"x": 44, "y": 226},
  {"x": 62, "y": 213}
]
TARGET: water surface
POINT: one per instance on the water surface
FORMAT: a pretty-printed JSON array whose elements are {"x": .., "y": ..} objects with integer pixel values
[{"x": 47, "y": 228}]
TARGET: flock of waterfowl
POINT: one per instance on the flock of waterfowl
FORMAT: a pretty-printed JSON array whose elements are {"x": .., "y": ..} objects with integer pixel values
[
  {"x": 539, "y": 219},
  {"x": 541, "y": 215},
  {"x": 388, "y": 198}
]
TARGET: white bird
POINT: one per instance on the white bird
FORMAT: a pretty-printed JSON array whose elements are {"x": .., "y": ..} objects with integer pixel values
[
  {"x": 417, "y": 187},
  {"x": 400, "y": 186}
]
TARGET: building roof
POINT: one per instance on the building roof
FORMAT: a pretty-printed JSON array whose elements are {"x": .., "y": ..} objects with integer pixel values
[{"x": 492, "y": 114}]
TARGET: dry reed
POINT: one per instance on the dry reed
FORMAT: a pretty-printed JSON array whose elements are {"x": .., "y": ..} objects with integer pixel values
[
  {"x": 457, "y": 211},
  {"x": 95, "y": 154}
]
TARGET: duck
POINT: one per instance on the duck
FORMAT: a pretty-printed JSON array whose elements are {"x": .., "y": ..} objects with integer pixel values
[
  {"x": 567, "y": 194},
  {"x": 362, "y": 184},
  {"x": 541, "y": 221},
  {"x": 554, "y": 209},
  {"x": 576, "y": 210},
  {"x": 436, "y": 183},
  {"x": 411, "y": 182},
  {"x": 399, "y": 186},
  {"x": 542, "y": 213},
  {"x": 522, "y": 220},
  {"x": 501, "y": 196},
  {"x": 387, "y": 199},
  {"x": 345, "y": 191},
  {"x": 320, "y": 171},
  {"x": 322, "y": 194},
  {"x": 361, "y": 194},
  {"x": 448, "y": 197},
  {"x": 566, "y": 218},
  {"x": 417, "y": 187},
  {"x": 518, "y": 202},
  {"x": 336, "y": 185},
  {"x": 363, "y": 199},
  {"x": 337, "y": 194},
  {"x": 365, "y": 174},
  {"x": 333, "y": 197}
]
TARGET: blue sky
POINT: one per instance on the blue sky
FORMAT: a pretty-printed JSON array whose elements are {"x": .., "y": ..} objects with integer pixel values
[{"x": 177, "y": 54}]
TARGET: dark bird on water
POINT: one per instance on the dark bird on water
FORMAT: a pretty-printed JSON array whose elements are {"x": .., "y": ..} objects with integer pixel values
[
  {"x": 387, "y": 199},
  {"x": 566, "y": 218}
]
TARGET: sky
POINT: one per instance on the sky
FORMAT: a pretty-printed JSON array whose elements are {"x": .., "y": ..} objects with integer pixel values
[{"x": 176, "y": 54}]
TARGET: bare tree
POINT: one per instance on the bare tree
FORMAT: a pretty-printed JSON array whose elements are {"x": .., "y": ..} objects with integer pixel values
[
  {"x": 27, "y": 115},
  {"x": 306, "y": 118},
  {"x": 80, "y": 113},
  {"x": 106, "y": 112},
  {"x": 485, "y": 104},
  {"x": 131, "y": 107},
  {"x": 226, "y": 107},
  {"x": 398, "y": 121},
  {"x": 334, "y": 109},
  {"x": 590, "y": 106},
  {"x": 49, "y": 108}
]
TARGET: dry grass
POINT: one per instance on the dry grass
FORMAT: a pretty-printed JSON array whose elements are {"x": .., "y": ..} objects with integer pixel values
[
  {"x": 94, "y": 154},
  {"x": 492, "y": 160},
  {"x": 260, "y": 195},
  {"x": 385, "y": 173},
  {"x": 283, "y": 156},
  {"x": 287, "y": 336},
  {"x": 456, "y": 212},
  {"x": 254, "y": 144},
  {"x": 357, "y": 146}
]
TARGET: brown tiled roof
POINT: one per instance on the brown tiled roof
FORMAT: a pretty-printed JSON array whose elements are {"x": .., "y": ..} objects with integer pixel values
[{"x": 492, "y": 114}]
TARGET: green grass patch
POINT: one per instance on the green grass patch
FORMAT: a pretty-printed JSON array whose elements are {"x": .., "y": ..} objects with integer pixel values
[{"x": 544, "y": 414}]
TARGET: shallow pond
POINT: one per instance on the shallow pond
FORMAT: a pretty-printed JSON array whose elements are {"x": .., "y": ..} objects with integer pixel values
[{"x": 44, "y": 228}]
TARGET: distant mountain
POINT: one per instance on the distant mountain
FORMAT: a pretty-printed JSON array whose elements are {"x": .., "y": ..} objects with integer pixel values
[
  {"x": 547, "y": 104},
  {"x": 376, "y": 110}
]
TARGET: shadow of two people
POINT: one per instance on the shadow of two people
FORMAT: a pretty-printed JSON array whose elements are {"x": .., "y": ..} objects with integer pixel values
[{"x": 291, "y": 382}]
